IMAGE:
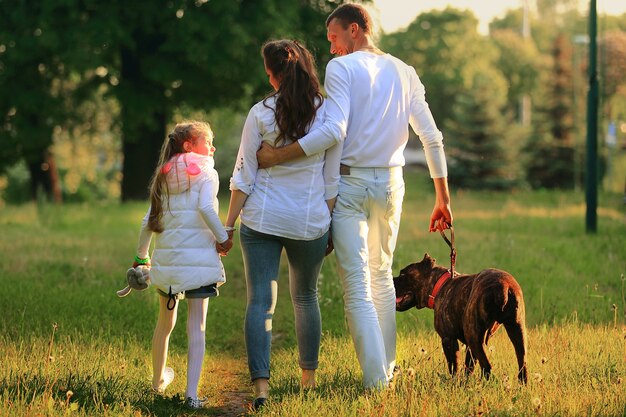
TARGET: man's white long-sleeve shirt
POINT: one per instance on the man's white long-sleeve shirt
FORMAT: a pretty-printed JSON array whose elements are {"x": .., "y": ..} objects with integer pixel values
[{"x": 371, "y": 101}]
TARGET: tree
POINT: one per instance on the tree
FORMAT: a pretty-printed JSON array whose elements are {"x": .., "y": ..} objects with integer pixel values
[
  {"x": 551, "y": 18},
  {"x": 481, "y": 141},
  {"x": 194, "y": 53},
  {"x": 152, "y": 57},
  {"x": 552, "y": 162},
  {"x": 613, "y": 60},
  {"x": 520, "y": 63},
  {"x": 32, "y": 87},
  {"x": 442, "y": 46}
]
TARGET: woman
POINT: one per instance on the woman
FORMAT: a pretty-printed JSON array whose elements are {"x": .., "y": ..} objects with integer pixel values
[{"x": 287, "y": 206}]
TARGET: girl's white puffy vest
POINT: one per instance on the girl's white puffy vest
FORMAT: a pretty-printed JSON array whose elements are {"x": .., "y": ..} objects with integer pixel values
[{"x": 184, "y": 256}]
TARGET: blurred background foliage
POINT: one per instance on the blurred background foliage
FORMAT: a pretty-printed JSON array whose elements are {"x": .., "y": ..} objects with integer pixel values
[{"x": 89, "y": 89}]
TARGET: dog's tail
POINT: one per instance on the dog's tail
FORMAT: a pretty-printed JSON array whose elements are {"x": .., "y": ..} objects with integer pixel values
[{"x": 511, "y": 302}]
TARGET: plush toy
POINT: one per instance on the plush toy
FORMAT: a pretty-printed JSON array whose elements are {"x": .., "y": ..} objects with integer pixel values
[{"x": 138, "y": 278}]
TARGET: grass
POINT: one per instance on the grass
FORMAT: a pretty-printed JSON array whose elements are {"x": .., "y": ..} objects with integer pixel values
[{"x": 69, "y": 346}]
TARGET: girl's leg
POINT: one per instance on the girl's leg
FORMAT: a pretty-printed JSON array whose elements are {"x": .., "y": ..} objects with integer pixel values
[
  {"x": 261, "y": 256},
  {"x": 305, "y": 262},
  {"x": 160, "y": 342},
  {"x": 196, "y": 325}
]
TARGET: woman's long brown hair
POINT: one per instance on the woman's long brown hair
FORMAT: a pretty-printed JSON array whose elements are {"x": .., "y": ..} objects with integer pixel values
[
  {"x": 298, "y": 97},
  {"x": 173, "y": 144}
]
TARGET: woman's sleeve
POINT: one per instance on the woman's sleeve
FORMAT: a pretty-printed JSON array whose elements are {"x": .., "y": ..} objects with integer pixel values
[
  {"x": 208, "y": 191},
  {"x": 246, "y": 165}
]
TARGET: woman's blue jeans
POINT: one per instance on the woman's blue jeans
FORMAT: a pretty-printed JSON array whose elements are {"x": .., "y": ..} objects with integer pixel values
[{"x": 261, "y": 256}]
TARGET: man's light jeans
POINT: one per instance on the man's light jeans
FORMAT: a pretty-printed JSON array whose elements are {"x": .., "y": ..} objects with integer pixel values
[{"x": 365, "y": 226}]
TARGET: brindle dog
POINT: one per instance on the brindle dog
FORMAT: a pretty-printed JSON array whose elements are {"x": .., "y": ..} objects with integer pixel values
[{"x": 469, "y": 308}]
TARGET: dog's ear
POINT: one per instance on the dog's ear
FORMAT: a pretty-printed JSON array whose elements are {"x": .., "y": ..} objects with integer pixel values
[{"x": 428, "y": 260}]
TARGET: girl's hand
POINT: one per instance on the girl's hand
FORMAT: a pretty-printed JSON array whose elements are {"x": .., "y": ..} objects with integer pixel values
[{"x": 224, "y": 247}]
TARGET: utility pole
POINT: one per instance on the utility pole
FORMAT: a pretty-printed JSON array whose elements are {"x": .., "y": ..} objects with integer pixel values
[
  {"x": 591, "y": 189},
  {"x": 524, "y": 104}
]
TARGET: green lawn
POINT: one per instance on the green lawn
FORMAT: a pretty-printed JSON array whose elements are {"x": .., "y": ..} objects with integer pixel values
[{"x": 69, "y": 346}]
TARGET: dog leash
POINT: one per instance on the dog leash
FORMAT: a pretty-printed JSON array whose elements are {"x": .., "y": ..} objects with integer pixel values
[
  {"x": 450, "y": 243},
  {"x": 450, "y": 272}
]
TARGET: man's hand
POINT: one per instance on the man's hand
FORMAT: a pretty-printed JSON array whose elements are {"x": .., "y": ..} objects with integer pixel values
[
  {"x": 329, "y": 246},
  {"x": 441, "y": 218},
  {"x": 266, "y": 156}
]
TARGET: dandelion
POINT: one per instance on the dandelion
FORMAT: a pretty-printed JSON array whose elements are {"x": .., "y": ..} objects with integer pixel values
[
  {"x": 68, "y": 395},
  {"x": 491, "y": 349},
  {"x": 544, "y": 359},
  {"x": 410, "y": 372},
  {"x": 537, "y": 377},
  {"x": 619, "y": 380},
  {"x": 507, "y": 383},
  {"x": 423, "y": 351},
  {"x": 536, "y": 402}
]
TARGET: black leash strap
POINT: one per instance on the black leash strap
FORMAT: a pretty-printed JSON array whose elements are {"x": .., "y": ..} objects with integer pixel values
[
  {"x": 171, "y": 298},
  {"x": 450, "y": 243}
]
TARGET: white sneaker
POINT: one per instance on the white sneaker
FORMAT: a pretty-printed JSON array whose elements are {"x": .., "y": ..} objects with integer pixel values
[
  {"x": 168, "y": 377},
  {"x": 195, "y": 402}
]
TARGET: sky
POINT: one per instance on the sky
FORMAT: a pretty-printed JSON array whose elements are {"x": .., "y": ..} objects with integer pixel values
[{"x": 397, "y": 14}]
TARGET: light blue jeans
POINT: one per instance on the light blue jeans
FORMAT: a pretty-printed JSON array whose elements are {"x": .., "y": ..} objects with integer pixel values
[
  {"x": 261, "y": 256},
  {"x": 365, "y": 224}
]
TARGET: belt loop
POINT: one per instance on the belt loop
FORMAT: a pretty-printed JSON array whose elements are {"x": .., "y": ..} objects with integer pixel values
[{"x": 344, "y": 169}]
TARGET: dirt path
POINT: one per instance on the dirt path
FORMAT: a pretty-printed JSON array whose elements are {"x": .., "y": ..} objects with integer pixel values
[{"x": 227, "y": 383}]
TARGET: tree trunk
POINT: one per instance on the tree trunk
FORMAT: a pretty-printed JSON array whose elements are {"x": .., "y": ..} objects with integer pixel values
[
  {"x": 45, "y": 177},
  {"x": 141, "y": 147},
  {"x": 144, "y": 117}
]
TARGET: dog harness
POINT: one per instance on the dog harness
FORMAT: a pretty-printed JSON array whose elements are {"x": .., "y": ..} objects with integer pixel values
[{"x": 442, "y": 280}]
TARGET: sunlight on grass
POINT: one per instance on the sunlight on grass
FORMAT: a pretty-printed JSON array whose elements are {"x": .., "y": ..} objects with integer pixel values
[
  {"x": 61, "y": 265},
  {"x": 513, "y": 209}
]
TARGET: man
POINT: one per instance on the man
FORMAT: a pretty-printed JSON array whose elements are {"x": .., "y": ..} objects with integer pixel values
[{"x": 372, "y": 98}]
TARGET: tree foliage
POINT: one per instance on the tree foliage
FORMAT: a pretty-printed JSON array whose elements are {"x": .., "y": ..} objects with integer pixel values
[
  {"x": 520, "y": 63},
  {"x": 550, "y": 150},
  {"x": 33, "y": 83},
  {"x": 153, "y": 57},
  {"x": 480, "y": 139},
  {"x": 442, "y": 46}
]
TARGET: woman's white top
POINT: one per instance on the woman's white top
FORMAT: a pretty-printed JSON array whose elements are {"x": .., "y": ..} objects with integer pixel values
[
  {"x": 184, "y": 256},
  {"x": 287, "y": 200}
]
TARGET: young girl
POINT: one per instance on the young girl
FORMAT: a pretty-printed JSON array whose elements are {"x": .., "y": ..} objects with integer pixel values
[
  {"x": 287, "y": 206},
  {"x": 185, "y": 261}
]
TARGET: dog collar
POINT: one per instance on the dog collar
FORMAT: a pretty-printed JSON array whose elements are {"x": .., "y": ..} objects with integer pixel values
[{"x": 442, "y": 280}]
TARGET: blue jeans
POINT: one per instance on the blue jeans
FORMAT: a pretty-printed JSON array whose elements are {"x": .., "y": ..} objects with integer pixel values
[{"x": 261, "y": 256}]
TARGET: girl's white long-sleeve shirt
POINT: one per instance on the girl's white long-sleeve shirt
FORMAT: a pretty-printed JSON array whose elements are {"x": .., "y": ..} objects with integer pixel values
[{"x": 289, "y": 199}]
